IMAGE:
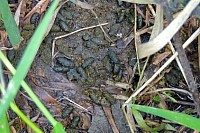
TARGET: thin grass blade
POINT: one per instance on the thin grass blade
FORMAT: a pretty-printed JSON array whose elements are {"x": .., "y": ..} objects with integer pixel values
[
  {"x": 28, "y": 90},
  {"x": 4, "y": 126},
  {"x": 179, "y": 118},
  {"x": 26, "y": 60},
  {"x": 9, "y": 23},
  {"x": 164, "y": 37},
  {"x": 141, "y": 122},
  {"x": 58, "y": 128},
  {"x": 25, "y": 119}
]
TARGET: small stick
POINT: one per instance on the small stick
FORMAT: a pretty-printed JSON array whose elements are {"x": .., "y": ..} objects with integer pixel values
[
  {"x": 177, "y": 59},
  {"x": 77, "y": 105},
  {"x": 192, "y": 86},
  {"x": 193, "y": 36},
  {"x": 170, "y": 89},
  {"x": 62, "y": 36},
  {"x": 163, "y": 38},
  {"x": 5, "y": 48},
  {"x": 86, "y": 28},
  {"x": 152, "y": 10},
  {"x": 106, "y": 35},
  {"x": 109, "y": 115},
  {"x": 199, "y": 50}
]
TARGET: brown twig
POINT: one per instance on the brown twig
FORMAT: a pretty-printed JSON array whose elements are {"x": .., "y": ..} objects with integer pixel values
[
  {"x": 163, "y": 38},
  {"x": 71, "y": 33},
  {"x": 105, "y": 34},
  {"x": 66, "y": 35},
  {"x": 192, "y": 37},
  {"x": 108, "y": 113},
  {"x": 77, "y": 105},
  {"x": 187, "y": 70},
  {"x": 199, "y": 50},
  {"x": 170, "y": 89}
]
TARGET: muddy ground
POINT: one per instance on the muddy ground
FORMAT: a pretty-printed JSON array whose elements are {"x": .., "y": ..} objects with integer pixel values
[
  {"x": 85, "y": 60},
  {"x": 85, "y": 67}
]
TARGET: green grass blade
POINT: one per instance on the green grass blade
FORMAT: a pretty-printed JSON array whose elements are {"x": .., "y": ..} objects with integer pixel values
[
  {"x": 142, "y": 123},
  {"x": 170, "y": 97},
  {"x": 9, "y": 23},
  {"x": 21, "y": 115},
  {"x": 28, "y": 90},
  {"x": 179, "y": 118},
  {"x": 4, "y": 126},
  {"x": 27, "y": 59},
  {"x": 25, "y": 119},
  {"x": 58, "y": 128}
]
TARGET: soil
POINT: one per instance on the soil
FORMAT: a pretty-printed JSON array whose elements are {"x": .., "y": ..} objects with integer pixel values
[
  {"x": 83, "y": 64},
  {"x": 93, "y": 58}
]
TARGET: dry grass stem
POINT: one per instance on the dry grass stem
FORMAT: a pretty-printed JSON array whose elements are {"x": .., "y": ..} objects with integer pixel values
[
  {"x": 158, "y": 24},
  {"x": 17, "y": 13},
  {"x": 177, "y": 60},
  {"x": 54, "y": 17},
  {"x": 193, "y": 36},
  {"x": 130, "y": 117},
  {"x": 141, "y": 1},
  {"x": 77, "y": 105},
  {"x": 86, "y": 28},
  {"x": 151, "y": 85},
  {"x": 40, "y": 8},
  {"x": 170, "y": 89},
  {"x": 105, "y": 34},
  {"x": 199, "y": 50},
  {"x": 164, "y": 37},
  {"x": 120, "y": 97},
  {"x": 108, "y": 113},
  {"x": 142, "y": 31},
  {"x": 27, "y": 97},
  {"x": 152, "y": 10},
  {"x": 136, "y": 37},
  {"x": 62, "y": 36},
  {"x": 5, "y": 48},
  {"x": 118, "y": 84}
]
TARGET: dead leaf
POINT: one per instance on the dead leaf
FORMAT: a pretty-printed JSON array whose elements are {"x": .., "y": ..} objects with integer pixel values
[
  {"x": 53, "y": 18},
  {"x": 12, "y": 129},
  {"x": 158, "y": 24},
  {"x": 161, "y": 57},
  {"x": 86, "y": 121},
  {"x": 35, "y": 117},
  {"x": 40, "y": 72},
  {"x": 141, "y": 1},
  {"x": 39, "y": 8},
  {"x": 164, "y": 37},
  {"x": 82, "y": 4},
  {"x": 18, "y": 124},
  {"x": 56, "y": 110},
  {"x": 18, "y": 12},
  {"x": 3, "y": 35},
  {"x": 42, "y": 119},
  {"x": 199, "y": 49},
  {"x": 130, "y": 117},
  {"x": 44, "y": 96},
  {"x": 109, "y": 116}
]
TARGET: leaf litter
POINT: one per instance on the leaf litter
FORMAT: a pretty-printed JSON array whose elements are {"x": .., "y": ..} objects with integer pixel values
[{"x": 51, "y": 86}]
